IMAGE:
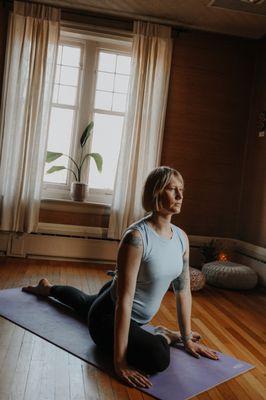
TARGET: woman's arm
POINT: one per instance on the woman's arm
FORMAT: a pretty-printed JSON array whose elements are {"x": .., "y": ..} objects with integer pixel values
[
  {"x": 181, "y": 287},
  {"x": 182, "y": 291},
  {"x": 128, "y": 262}
]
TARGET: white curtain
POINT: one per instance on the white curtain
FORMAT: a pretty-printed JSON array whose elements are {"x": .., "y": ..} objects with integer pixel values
[
  {"x": 31, "y": 52},
  {"x": 144, "y": 125}
]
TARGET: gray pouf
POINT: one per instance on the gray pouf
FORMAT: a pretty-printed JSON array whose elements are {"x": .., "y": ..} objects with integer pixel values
[{"x": 229, "y": 275}]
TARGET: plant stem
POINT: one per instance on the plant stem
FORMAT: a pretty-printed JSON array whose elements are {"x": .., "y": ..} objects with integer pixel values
[
  {"x": 72, "y": 160},
  {"x": 73, "y": 173}
]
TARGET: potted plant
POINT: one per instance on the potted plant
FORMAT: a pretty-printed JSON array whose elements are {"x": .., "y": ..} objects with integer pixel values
[
  {"x": 209, "y": 251},
  {"x": 78, "y": 188}
]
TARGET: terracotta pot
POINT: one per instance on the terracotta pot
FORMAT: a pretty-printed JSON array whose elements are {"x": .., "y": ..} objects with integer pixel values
[{"x": 78, "y": 191}]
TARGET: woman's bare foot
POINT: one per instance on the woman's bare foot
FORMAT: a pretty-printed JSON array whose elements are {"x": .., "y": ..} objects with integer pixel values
[
  {"x": 43, "y": 288},
  {"x": 171, "y": 336}
]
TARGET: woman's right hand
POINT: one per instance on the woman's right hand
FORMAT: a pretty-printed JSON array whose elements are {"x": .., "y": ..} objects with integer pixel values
[{"x": 131, "y": 376}]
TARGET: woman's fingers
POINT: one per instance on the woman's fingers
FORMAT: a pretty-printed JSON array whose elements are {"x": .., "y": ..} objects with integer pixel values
[
  {"x": 196, "y": 349},
  {"x": 193, "y": 353},
  {"x": 204, "y": 351},
  {"x": 136, "y": 379},
  {"x": 142, "y": 378}
]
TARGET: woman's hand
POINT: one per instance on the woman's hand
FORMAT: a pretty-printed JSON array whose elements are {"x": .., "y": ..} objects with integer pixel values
[
  {"x": 131, "y": 376},
  {"x": 195, "y": 337},
  {"x": 197, "y": 350}
]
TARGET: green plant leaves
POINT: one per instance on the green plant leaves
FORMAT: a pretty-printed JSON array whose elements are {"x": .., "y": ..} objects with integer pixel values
[
  {"x": 55, "y": 168},
  {"x": 98, "y": 160},
  {"x": 85, "y": 135},
  {"x": 51, "y": 156}
]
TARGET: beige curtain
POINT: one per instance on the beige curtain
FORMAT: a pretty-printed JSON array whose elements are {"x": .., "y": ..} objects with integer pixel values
[
  {"x": 144, "y": 124},
  {"x": 31, "y": 52}
]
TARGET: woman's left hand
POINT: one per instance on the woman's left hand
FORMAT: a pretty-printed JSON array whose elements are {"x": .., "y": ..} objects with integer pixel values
[
  {"x": 195, "y": 336},
  {"x": 196, "y": 350}
]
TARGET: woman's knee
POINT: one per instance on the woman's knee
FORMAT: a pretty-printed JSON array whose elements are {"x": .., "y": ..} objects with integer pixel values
[
  {"x": 156, "y": 355},
  {"x": 159, "y": 359}
]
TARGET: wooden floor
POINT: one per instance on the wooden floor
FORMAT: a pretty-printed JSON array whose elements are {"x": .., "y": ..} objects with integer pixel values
[{"x": 33, "y": 369}]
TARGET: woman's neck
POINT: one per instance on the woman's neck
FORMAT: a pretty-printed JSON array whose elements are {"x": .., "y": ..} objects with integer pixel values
[{"x": 160, "y": 221}]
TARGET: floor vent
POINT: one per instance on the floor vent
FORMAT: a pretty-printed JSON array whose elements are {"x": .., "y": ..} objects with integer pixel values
[{"x": 252, "y": 7}]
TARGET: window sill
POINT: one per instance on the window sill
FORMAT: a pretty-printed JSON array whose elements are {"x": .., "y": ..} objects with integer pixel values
[{"x": 75, "y": 206}]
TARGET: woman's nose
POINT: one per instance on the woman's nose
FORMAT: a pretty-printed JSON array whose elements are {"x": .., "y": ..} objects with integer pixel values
[{"x": 179, "y": 195}]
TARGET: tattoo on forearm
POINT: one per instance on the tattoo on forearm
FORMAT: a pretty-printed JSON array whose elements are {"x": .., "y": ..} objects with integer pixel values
[
  {"x": 132, "y": 240},
  {"x": 181, "y": 282}
]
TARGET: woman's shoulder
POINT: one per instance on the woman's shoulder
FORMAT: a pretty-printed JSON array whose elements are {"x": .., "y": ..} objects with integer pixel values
[
  {"x": 138, "y": 225},
  {"x": 136, "y": 230},
  {"x": 182, "y": 236},
  {"x": 179, "y": 231}
]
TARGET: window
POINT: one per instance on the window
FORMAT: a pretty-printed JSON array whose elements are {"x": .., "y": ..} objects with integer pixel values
[
  {"x": 112, "y": 81},
  {"x": 64, "y": 108},
  {"x": 91, "y": 83}
]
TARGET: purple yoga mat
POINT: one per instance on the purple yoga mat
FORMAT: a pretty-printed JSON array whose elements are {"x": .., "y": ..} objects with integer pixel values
[{"x": 184, "y": 378}]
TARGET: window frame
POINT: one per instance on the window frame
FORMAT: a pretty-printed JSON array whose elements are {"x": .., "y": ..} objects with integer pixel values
[{"x": 90, "y": 48}]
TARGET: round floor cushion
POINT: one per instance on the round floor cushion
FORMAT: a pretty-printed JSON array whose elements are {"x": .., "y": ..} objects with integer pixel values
[
  {"x": 197, "y": 279},
  {"x": 229, "y": 275}
]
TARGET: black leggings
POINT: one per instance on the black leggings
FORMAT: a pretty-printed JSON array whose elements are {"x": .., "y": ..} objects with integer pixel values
[{"x": 147, "y": 352}]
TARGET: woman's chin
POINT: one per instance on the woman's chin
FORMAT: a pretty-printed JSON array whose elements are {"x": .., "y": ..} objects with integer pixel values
[{"x": 177, "y": 209}]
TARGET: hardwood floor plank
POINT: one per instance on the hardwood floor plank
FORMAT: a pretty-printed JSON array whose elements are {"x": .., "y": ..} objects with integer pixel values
[
  {"x": 10, "y": 362},
  {"x": 77, "y": 390},
  {"x": 62, "y": 382},
  {"x": 22, "y": 368},
  {"x": 33, "y": 385},
  {"x": 90, "y": 382}
]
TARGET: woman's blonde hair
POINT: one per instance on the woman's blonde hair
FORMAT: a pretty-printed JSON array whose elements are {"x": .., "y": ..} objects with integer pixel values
[{"x": 155, "y": 183}]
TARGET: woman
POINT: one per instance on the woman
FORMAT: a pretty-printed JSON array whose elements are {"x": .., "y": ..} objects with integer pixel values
[{"x": 152, "y": 254}]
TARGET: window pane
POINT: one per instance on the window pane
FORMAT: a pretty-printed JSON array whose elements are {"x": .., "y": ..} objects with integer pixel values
[
  {"x": 69, "y": 76},
  {"x": 105, "y": 81},
  {"x": 106, "y": 140},
  {"x": 123, "y": 65},
  {"x": 119, "y": 102},
  {"x": 71, "y": 56},
  {"x": 107, "y": 62},
  {"x": 59, "y": 138},
  {"x": 67, "y": 95},
  {"x": 103, "y": 100},
  {"x": 121, "y": 83}
]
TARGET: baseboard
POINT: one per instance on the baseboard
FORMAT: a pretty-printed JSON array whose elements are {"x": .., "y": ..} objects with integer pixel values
[{"x": 60, "y": 247}]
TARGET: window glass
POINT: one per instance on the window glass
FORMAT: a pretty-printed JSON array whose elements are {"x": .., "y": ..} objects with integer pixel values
[
  {"x": 105, "y": 81},
  {"x": 60, "y": 130},
  {"x": 103, "y": 100},
  {"x": 111, "y": 97},
  {"x": 107, "y": 62},
  {"x": 69, "y": 76},
  {"x": 67, "y": 95},
  {"x": 63, "y": 110},
  {"x": 107, "y": 135},
  {"x": 121, "y": 83},
  {"x": 123, "y": 65},
  {"x": 71, "y": 56}
]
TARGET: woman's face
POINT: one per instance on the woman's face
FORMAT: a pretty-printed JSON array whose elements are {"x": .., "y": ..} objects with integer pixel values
[{"x": 172, "y": 196}]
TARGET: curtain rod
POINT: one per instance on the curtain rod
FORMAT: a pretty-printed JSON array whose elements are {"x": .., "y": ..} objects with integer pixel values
[{"x": 126, "y": 19}]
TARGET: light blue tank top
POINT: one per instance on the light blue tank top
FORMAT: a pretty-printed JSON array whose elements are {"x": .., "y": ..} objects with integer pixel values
[{"x": 161, "y": 263}]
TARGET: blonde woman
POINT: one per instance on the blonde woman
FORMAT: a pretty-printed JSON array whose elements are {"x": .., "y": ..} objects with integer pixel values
[{"x": 152, "y": 254}]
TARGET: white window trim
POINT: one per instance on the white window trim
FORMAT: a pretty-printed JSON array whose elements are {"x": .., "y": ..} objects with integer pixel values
[{"x": 95, "y": 42}]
